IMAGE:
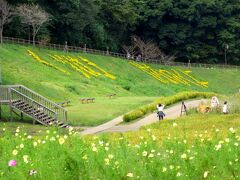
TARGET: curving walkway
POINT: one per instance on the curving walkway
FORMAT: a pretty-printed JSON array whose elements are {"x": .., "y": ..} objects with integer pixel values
[{"x": 112, "y": 126}]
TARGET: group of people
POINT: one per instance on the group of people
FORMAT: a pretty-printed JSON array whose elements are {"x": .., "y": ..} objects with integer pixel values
[{"x": 214, "y": 104}]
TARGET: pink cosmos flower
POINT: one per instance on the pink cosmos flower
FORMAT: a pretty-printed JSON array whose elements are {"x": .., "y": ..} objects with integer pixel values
[{"x": 12, "y": 163}]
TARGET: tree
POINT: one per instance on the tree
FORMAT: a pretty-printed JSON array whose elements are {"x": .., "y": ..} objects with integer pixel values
[
  {"x": 150, "y": 50},
  {"x": 5, "y": 16},
  {"x": 34, "y": 16}
]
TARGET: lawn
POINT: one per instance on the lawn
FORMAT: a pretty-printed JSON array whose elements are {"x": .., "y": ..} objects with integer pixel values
[{"x": 133, "y": 87}]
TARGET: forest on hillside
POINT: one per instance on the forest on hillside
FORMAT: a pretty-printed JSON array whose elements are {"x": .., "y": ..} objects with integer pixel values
[{"x": 197, "y": 30}]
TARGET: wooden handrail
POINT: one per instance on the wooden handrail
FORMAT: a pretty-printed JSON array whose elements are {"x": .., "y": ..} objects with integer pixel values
[
  {"x": 30, "y": 99},
  {"x": 40, "y": 96},
  {"x": 31, "y": 102},
  {"x": 5, "y": 95}
]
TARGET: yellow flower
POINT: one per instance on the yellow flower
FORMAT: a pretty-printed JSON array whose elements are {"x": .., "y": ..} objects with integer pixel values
[
  {"x": 106, "y": 160},
  {"x": 61, "y": 140},
  {"x": 25, "y": 159},
  {"x": 130, "y": 175},
  {"x": 14, "y": 152},
  {"x": 21, "y": 146}
]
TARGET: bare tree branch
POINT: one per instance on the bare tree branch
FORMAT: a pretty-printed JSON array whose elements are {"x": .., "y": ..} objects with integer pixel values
[
  {"x": 150, "y": 50},
  {"x": 129, "y": 50},
  {"x": 34, "y": 16},
  {"x": 5, "y": 16}
]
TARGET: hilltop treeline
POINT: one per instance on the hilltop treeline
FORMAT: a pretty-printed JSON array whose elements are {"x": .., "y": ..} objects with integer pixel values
[{"x": 199, "y": 30}]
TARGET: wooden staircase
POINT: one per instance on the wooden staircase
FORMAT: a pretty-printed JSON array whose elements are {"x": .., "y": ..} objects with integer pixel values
[{"x": 33, "y": 105}]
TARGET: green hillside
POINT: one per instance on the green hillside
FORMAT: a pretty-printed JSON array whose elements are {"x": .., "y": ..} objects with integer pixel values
[{"x": 133, "y": 86}]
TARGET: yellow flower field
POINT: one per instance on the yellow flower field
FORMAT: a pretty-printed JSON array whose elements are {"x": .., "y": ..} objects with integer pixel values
[{"x": 173, "y": 76}]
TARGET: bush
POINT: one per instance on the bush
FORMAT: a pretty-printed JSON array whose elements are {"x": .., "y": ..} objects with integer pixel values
[
  {"x": 140, "y": 112},
  {"x": 133, "y": 115}
]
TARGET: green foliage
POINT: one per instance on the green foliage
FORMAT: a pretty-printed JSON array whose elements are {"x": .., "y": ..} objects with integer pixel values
[
  {"x": 197, "y": 30},
  {"x": 140, "y": 112}
]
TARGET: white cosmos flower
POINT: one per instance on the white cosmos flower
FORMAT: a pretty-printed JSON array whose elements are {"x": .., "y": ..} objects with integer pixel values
[
  {"x": 151, "y": 155},
  {"x": 178, "y": 174},
  {"x": 154, "y": 138},
  {"x": 205, "y": 174},
  {"x": 130, "y": 175},
  {"x": 110, "y": 156},
  {"x": 35, "y": 144},
  {"x": 227, "y": 140},
  {"x": 144, "y": 153},
  {"x": 21, "y": 146},
  {"x": 184, "y": 156},
  {"x": 232, "y": 130},
  {"x": 217, "y": 147},
  {"x": 94, "y": 149}
]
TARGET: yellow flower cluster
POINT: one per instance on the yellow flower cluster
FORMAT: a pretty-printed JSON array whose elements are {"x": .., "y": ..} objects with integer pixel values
[
  {"x": 173, "y": 76},
  {"x": 36, "y": 57},
  {"x": 81, "y": 66},
  {"x": 97, "y": 67}
]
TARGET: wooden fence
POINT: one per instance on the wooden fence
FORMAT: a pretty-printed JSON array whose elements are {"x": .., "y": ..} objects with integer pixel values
[{"x": 109, "y": 53}]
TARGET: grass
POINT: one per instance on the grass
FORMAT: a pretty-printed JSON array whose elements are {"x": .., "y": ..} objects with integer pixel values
[
  {"x": 104, "y": 109},
  {"x": 133, "y": 87},
  {"x": 196, "y": 147}
]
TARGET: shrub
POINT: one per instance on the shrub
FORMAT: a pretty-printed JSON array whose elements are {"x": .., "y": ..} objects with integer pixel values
[
  {"x": 128, "y": 88},
  {"x": 133, "y": 115},
  {"x": 140, "y": 112}
]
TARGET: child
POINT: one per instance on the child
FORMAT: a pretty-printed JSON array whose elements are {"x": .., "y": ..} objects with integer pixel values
[
  {"x": 225, "y": 108},
  {"x": 160, "y": 111}
]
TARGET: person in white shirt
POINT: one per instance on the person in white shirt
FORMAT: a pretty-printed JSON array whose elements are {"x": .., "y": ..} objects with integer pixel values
[
  {"x": 214, "y": 102},
  {"x": 225, "y": 108},
  {"x": 160, "y": 112}
]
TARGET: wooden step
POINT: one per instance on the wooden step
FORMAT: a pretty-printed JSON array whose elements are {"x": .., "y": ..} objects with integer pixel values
[
  {"x": 18, "y": 103},
  {"x": 46, "y": 118}
]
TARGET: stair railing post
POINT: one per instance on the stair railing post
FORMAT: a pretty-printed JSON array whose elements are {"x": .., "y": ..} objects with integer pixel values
[
  {"x": 0, "y": 111},
  {"x": 10, "y": 104},
  {"x": 34, "y": 118},
  {"x": 66, "y": 118}
]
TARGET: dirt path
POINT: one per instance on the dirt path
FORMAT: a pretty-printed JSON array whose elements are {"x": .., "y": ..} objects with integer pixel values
[{"x": 112, "y": 126}]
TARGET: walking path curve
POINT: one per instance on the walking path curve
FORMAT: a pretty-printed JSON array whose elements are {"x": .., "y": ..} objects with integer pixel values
[{"x": 112, "y": 126}]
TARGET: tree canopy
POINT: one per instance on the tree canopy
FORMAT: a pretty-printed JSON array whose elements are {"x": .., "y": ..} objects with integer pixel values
[{"x": 197, "y": 30}]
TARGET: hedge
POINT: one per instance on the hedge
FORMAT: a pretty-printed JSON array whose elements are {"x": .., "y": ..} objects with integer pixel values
[{"x": 140, "y": 112}]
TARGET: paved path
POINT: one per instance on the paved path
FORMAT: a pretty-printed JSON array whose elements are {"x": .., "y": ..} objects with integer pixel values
[{"x": 112, "y": 126}]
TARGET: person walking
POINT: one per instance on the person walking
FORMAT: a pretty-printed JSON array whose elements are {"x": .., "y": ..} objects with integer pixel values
[
  {"x": 160, "y": 112},
  {"x": 225, "y": 108}
]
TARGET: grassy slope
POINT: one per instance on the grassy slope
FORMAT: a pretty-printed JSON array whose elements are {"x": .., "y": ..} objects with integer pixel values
[{"x": 19, "y": 68}]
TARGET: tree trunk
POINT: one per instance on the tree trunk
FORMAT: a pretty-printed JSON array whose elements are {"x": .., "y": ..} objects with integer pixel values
[
  {"x": 29, "y": 33},
  {"x": 33, "y": 40},
  {"x": 33, "y": 34}
]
